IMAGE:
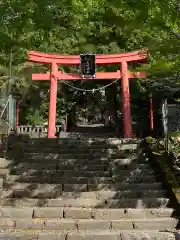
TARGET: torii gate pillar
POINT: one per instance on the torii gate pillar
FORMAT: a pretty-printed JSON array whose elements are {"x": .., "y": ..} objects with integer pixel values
[
  {"x": 54, "y": 75},
  {"x": 52, "y": 101},
  {"x": 126, "y": 101}
]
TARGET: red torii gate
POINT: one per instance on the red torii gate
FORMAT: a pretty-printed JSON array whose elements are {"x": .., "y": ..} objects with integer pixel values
[{"x": 123, "y": 74}]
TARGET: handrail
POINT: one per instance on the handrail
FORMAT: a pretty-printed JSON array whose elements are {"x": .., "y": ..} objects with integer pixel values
[
  {"x": 5, "y": 106},
  {"x": 5, "y": 127},
  {"x": 5, "y": 123}
]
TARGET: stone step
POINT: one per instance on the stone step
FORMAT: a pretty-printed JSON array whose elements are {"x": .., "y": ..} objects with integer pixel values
[
  {"x": 76, "y": 156},
  {"x": 88, "y": 202},
  {"x": 118, "y": 194},
  {"x": 101, "y": 160},
  {"x": 115, "y": 186},
  {"x": 80, "y": 161},
  {"x": 4, "y": 173},
  {"x": 81, "y": 142},
  {"x": 114, "y": 172},
  {"x": 76, "y": 140},
  {"x": 64, "y": 145},
  {"x": 90, "y": 235},
  {"x": 79, "y": 188},
  {"x": 18, "y": 168},
  {"x": 73, "y": 146},
  {"x": 85, "y": 213},
  {"x": 19, "y": 190},
  {"x": 80, "y": 149},
  {"x": 87, "y": 224},
  {"x": 65, "y": 173},
  {"x": 4, "y": 163},
  {"x": 54, "y": 178},
  {"x": 122, "y": 235}
]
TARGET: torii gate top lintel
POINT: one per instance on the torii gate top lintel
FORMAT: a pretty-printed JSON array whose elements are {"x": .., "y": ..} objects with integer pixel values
[{"x": 101, "y": 59}]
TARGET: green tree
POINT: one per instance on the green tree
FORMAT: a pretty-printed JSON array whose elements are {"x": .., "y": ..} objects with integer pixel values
[{"x": 76, "y": 26}]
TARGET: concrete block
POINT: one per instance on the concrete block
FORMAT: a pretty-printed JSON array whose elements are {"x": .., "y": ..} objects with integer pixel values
[
  {"x": 60, "y": 224},
  {"x": 94, "y": 195},
  {"x": 1, "y": 183},
  {"x": 35, "y": 179},
  {"x": 29, "y": 224},
  {"x": 4, "y": 173},
  {"x": 140, "y": 194},
  {"x": 19, "y": 236},
  {"x": 148, "y": 213},
  {"x": 20, "y": 168},
  {"x": 108, "y": 214},
  {"x": 137, "y": 235},
  {"x": 1, "y": 187},
  {"x": 136, "y": 203},
  {"x": 124, "y": 186},
  {"x": 7, "y": 223},
  {"x": 74, "y": 187},
  {"x": 59, "y": 202},
  {"x": 131, "y": 146},
  {"x": 102, "y": 186},
  {"x": 105, "y": 194},
  {"x": 51, "y": 236},
  {"x": 159, "y": 212},
  {"x": 13, "y": 212},
  {"x": 85, "y": 173},
  {"x": 72, "y": 202},
  {"x": 47, "y": 191},
  {"x": 32, "y": 190},
  {"x": 4, "y": 163},
  {"x": 100, "y": 235},
  {"x": 48, "y": 212},
  {"x": 82, "y": 167},
  {"x": 78, "y": 213},
  {"x": 155, "y": 224},
  {"x": 24, "y": 202},
  {"x": 92, "y": 224},
  {"x": 121, "y": 225}
]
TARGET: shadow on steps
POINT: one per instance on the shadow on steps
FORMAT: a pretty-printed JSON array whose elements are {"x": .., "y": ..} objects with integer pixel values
[{"x": 48, "y": 184}]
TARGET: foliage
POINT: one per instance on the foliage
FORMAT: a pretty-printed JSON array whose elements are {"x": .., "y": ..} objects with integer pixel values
[
  {"x": 174, "y": 144},
  {"x": 157, "y": 145},
  {"x": 34, "y": 117},
  {"x": 77, "y": 26}
]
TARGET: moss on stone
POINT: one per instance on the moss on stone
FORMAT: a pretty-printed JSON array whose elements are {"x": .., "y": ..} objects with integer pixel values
[
  {"x": 174, "y": 134},
  {"x": 159, "y": 154}
]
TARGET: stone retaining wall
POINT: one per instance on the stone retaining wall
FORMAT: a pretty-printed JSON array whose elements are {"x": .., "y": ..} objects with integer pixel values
[{"x": 161, "y": 161}]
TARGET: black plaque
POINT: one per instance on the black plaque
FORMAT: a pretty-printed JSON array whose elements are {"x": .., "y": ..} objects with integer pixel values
[{"x": 88, "y": 64}]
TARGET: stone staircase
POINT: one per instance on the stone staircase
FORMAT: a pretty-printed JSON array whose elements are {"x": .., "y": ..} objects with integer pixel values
[{"x": 73, "y": 189}]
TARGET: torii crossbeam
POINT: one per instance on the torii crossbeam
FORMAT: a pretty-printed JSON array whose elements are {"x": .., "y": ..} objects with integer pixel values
[{"x": 55, "y": 60}]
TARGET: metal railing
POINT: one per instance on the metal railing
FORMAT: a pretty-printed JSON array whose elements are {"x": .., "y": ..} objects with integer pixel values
[
  {"x": 35, "y": 131},
  {"x": 4, "y": 129}
]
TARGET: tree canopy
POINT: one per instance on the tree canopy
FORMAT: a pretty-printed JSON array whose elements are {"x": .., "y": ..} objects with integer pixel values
[{"x": 78, "y": 26}]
